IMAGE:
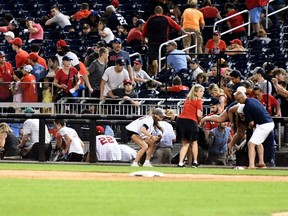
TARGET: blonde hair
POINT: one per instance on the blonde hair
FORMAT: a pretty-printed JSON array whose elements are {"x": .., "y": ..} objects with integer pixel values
[
  {"x": 4, "y": 127},
  {"x": 215, "y": 88},
  {"x": 195, "y": 88}
]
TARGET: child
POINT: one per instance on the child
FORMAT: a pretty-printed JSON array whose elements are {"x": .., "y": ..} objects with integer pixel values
[
  {"x": 47, "y": 94},
  {"x": 16, "y": 90}
]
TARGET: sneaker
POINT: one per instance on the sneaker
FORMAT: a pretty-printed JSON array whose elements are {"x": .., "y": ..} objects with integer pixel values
[
  {"x": 194, "y": 165},
  {"x": 134, "y": 165},
  {"x": 147, "y": 164},
  {"x": 182, "y": 166}
]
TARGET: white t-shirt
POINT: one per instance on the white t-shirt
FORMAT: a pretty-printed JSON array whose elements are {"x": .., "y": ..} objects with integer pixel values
[
  {"x": 113, "y": 79},
  {"x": 109, "y": 35},
  {"x": 107, "y": 148},
  {"x": 128, "y": 153},
  {"x": 73, "y": 56},
  {"x": 76, "y": 144},
  {"x": 31, "y": 127},
  {"x": 136, "y": 125}
]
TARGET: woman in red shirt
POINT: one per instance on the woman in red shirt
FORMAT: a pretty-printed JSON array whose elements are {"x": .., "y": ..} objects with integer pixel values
[
  {"x": 64, "y": 77},
  {"x": 215, "y": 45},
  {"x": 187, "y": 124}
]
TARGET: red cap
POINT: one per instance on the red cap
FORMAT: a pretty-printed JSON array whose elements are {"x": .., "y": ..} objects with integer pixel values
[
  {"x": 33, "y": 56},
  {"x": 115, "y": 3},
  {"x": 99, "y": 129},
  {"x": 236, "y": 41},
  {"x": 127, "y": 81},
  {"x": 16, "y": 41},
  {"x": 61, "y": 43}
]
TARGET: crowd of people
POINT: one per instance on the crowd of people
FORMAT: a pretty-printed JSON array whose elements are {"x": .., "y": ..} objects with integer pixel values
[{"x": 108, "y": 72}]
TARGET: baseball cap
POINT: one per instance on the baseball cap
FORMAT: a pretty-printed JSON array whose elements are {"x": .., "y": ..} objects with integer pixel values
[
  {"x": 120, "y": 61},
  {"x": 117, "y": 40},
  {"x": 127, "y": 81},
  {"x": 159, "y": 111},
  {"x": 99, "y": 129},
  {"x": 236, "y": 41},
  {"x": 214, "y": 101},
  {"x": 115, "y": 3},
  {"x": 10, "y": 34},
  {"x": 259, "y": 70},
  {"x": 2, "y": 54},
  {"x": 16, "y": 41},
  {"x": 194, "y": 60},
  {"x": 172, "y": 43},
  {"x": 138, "y": 61},
  {"x": 66, "y": 58},
  {"x": 61, "y": 43},
  {"x": 28, "y": 68},
  {"x": 139, "y": 22},
  {"x": 216, "y": 33},
  {"x": 240, "y": 108},
  {"x": 29, "y": 110},
  {"x": 86, "y": 26},
  {"x": 33, "y": 56}
]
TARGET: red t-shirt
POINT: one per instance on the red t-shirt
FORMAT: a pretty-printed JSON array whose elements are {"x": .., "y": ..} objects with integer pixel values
[
  {"x": 21, "y": 58},
  {"x": 190, "y": 108},
  {"x": 62, "y": 78},
  {"x": 236, "y": 21},
  {"x": 29, "y": 88},
  {"x": 6, "y": 74},
  {"x": 177, "y": 88},
  {"x": 272, "y": 103},
  {"x": 209, "y": 12},
  {"x": 134, "y": 34},
  {"x": 211, "y": 45}
]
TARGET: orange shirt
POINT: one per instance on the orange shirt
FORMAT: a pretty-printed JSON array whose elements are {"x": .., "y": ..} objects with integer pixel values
[
  {"x": 21, "y": 58},
  {"x": 29, "y": 88},
  {"x": 192, "y": 18},
  {"x": 81, "y": 14},
  {"x": 190, "y": 108}
]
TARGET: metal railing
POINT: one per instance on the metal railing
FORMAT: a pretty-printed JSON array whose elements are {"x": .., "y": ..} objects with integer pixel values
[
  {"x": 272, "y": 13},
  {"x": 227, "y": 18},
  {"x": 160, "y": 58}
]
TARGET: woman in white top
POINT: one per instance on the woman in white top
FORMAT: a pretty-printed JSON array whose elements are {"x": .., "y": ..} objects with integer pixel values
[
  {"x": 140, "y": 132},
  {"x": 104, "y": 32},
  {"x": 74, "y": 148}
]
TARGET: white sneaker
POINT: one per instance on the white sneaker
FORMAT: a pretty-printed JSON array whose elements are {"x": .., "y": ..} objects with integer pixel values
[
  {"x": 147, "y": 164},
  {"x": 134, "y": 165}
]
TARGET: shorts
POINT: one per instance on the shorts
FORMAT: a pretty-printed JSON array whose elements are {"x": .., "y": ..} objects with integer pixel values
[
  {"x": 255, "y": 14},
  {"x": 130, "y": 133},
  {"x": 187, "y": 129},
  {"x": 153, "y": 51},
  {"x": 261, "y": 133},
  {"x": 187, "y": 41}
]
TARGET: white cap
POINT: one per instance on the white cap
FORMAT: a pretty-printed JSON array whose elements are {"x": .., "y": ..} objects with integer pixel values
[
  {"x": 28, "y": 68},
  {"x": 10, "y": 34},
  {"x": 241, "y": 88},
  {"x": 241, "y": 108}
]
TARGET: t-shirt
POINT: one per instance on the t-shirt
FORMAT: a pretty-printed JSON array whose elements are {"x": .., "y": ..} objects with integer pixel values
[
  {"x": 134, "y": 35},
  {"x": 31, "y": 127},
  {"x": 192, "y": 18},
  {"x": 76, "y": 143},
  {"x": 29, "y": 88},
  {"x": 209, "y": 12},
  {"x": 120, "y": 92},
  {"x": 176, "y": 61},
  {"x": 21, "y": 58},
  {"x": 39, "y": 72},
  {"x": 190, "y": 108},
  {"x": 236, "y": 21},
  {"x": 145, "y": 121},
  {"x": 96, "y": 70},
  {"x": 62, "y": 78},
  {"x": 107, "y": 148},
  {"x": 215, "y": 49},
  {"x": 6, "y": 74},
  {"x": 39, "y": 34}
]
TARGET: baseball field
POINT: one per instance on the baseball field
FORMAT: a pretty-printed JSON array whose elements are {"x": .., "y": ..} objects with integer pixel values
[{"x": 95, "y": 189}]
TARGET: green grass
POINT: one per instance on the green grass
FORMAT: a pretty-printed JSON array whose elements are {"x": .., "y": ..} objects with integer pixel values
[{"x": 75, "y": 197}]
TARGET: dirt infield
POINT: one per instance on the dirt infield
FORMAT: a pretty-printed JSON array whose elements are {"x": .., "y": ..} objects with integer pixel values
[{"x": 125, "y": 176}]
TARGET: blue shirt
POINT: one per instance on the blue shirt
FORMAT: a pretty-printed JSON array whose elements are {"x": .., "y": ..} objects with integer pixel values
[
  {"x": 255, "y": 111},
  {"x": 177, "y": 62},
  {"x": 219, "y": 145},
  {"x": 39, "y": 72}
]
